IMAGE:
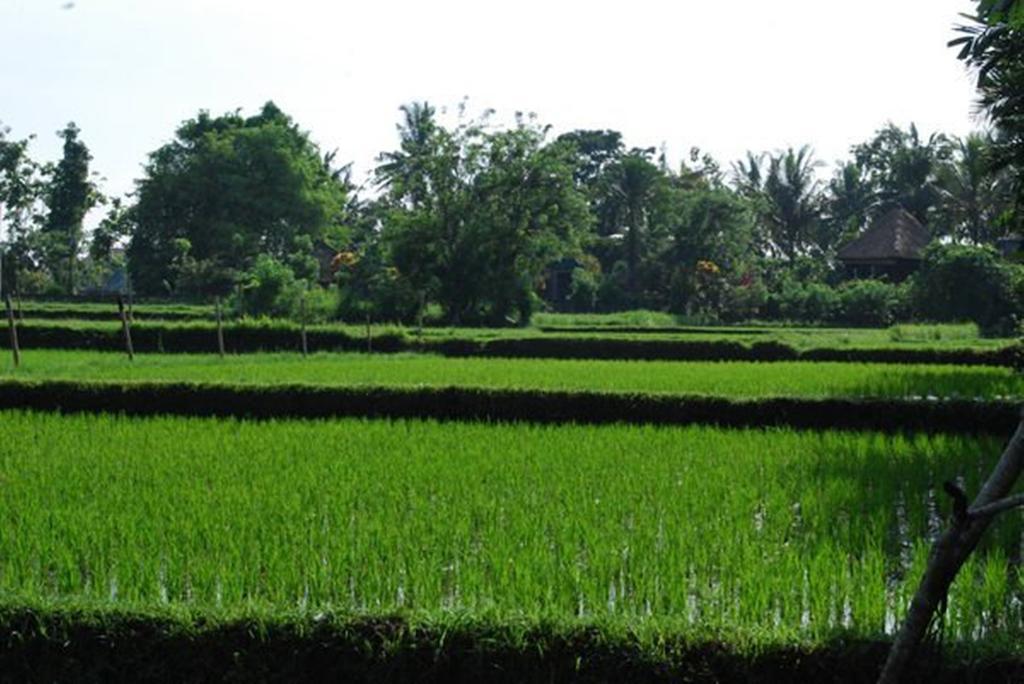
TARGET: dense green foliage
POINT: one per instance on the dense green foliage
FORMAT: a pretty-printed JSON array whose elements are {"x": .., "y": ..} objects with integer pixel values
[
  {"x": 69, "y": 195},
  {"x": 473, "y": 217},
  {"x": 905, "y": 344},
  {"x": 740, "y": 535},
  {"x": 226, "y": 190},
  {"x": 970, "y": 283}
]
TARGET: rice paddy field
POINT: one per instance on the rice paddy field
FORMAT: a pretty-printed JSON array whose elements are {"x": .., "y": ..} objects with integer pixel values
[
  {"x": 751, "y": 537},
  {"x": 725, "y": 379},
  {"x": 472, "y": 550}
]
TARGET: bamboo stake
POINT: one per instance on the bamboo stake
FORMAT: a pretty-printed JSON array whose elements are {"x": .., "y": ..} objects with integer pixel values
[
  {"x": 220, "y": 329},
  {"x": 126, "y": 327},
  {"x": 15, "y": 351},
  {"x": 302, "y": 324}
]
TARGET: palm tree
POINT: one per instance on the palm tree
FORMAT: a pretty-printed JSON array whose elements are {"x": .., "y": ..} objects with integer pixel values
[
  {"x": 786, "y": 197},
  {"x": 850, "y": 201},
  {"x": 795, "y": 197},
  {"x": 635, "y": 183},
  {"x": 974, "y": 194},
  {"x": 403, "y": 171}
]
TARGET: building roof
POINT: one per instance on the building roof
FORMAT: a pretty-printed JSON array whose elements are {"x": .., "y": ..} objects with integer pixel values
[{"x": 894, "y": 235}]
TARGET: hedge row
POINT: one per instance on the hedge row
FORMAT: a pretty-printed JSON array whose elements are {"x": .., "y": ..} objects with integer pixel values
[
  {"x": 30, "y": 313},
  {"x": 118, "y": 647},
  {"x": 539, "y": 406},
  {"x": 652, "y": 330},
  {"x": 243, "y": 338}
]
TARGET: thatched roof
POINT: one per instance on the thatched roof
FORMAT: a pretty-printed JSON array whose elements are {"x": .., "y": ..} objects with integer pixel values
[{"x": 894, "y": 235}]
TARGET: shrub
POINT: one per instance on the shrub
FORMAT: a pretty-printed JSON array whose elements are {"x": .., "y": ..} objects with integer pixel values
[
  {"x": 963, "y": 283},
  {"x": 269, "y": 288},
  {"x": 870, "y": 302},
  {"x": 583, "y": 290}
]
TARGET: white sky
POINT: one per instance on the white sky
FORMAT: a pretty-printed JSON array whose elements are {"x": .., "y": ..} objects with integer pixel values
[{"x": 728, "y": 75}]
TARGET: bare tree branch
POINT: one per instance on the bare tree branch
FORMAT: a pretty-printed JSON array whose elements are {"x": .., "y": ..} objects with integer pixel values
[{"x": 997, "y": 507}]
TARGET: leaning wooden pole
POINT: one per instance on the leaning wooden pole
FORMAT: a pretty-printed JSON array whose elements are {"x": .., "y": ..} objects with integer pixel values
[
  {"x": 126, "y": 328},
  {"x": 13, "y": 327},
  {"x": 951, "y": 551}
]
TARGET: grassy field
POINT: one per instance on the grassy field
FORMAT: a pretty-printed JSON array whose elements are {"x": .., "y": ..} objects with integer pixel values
[
  {"x": 748, "y": 536},
  {"x": 727, "y": 379}
]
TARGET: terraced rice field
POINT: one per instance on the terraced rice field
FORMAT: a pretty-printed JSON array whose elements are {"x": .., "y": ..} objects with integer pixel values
[
  {"x": 756, "y": 537},
  {"x": 726, "y": 379}
]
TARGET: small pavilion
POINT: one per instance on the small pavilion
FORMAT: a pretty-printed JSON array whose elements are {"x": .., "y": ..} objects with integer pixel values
[{"x": 890, "y": 248}]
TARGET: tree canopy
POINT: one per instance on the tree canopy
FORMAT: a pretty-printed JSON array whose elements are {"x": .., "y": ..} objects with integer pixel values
[{"x": 226, "y": 190}]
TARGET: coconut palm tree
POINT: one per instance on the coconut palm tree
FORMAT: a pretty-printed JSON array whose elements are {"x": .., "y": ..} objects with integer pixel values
[
  {"x": 974, "y": 194},
  {"x": 635, "y": 183}
]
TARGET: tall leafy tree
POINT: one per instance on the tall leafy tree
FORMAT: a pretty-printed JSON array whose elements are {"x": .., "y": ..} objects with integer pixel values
[
  {"x": 636, "y": 182},
  {"x": 20, "y": 192},
  {"x": 70, "y": 194},
  {"x": 479, "y": 214},
  {"x": 228, "y": 189},
  {"x": 903, "y": 168}
]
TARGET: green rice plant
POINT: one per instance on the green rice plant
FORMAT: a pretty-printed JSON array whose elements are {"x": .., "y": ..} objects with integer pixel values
[
  {"x": 933, "y": 332},
  {"x": 743, "y": 536},
  {"x": 727, "y": 379}
]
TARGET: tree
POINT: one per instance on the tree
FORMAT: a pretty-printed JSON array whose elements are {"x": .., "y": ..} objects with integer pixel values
[
  {"x": 233, "y": 188},
  {"x": 975, "y": 196},
  {"x": 475, "y": 216},
  {"x": 70, "y": 194},
  {"x": 786, "y": 197},
  {"x": 993, "y": 46},
  {"x": 636, "y": 182},
  {"x": 849, "y": 203},
  {"x": 903, "y": 169},
  {"x": 711, "y": 237},
  {"x": 20, "y": 192}
]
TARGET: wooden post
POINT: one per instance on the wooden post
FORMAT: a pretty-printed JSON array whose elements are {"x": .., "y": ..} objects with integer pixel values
[
  {"x": 302, "y": 323},
  {"x": 420, "y": 312},
  {"x": 21, "y": 311},
  {"x": 15, "y": 351},
  {"x": 126, "y": 328},
  {"x": 220, "y": 329}
]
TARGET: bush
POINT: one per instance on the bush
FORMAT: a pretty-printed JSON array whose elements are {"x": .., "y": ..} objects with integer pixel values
[
  {"x": 583, "y": 290},
  {"x": 871, "y": 302},
  {"x": 811, "y": 302},
  {"x": 269, "y": 288},
  {"x": 963, "y": 283}
]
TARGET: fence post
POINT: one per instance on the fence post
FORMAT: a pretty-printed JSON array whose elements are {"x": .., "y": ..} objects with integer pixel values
[
  {"x": 14, "y": 332},
  {"x": 126, "y": 328},
  {"x": 220, "y": 329},
  {"x": 302, "y": 323}
]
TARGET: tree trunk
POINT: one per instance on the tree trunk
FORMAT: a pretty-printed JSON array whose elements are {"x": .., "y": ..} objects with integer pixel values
[{"x": 949, "y": 554}]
